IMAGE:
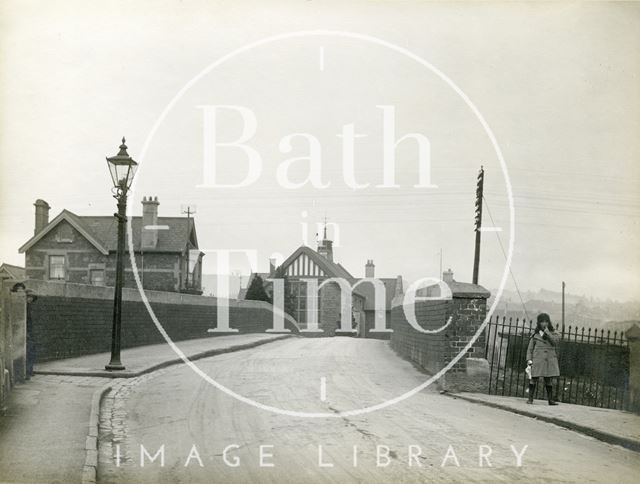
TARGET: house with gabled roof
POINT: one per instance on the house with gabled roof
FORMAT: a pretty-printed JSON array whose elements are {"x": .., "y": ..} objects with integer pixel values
[
  {"x": 9, "y": 271},
  {"x": 82, "y": 249},
  {"x": 305, "y": 263}
]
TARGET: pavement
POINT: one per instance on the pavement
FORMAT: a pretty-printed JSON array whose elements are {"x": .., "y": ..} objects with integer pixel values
[
  {"x": 202, "y": 432},
  {"x": 145, "y": 359},
  {"x": 44, "y": 433},
  {"x": 612, "y": 426}
]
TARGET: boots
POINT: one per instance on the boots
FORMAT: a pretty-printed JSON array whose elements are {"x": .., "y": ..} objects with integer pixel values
[
  {"x": 532, "y": 390},
  {"x": 550, "y": 395}
]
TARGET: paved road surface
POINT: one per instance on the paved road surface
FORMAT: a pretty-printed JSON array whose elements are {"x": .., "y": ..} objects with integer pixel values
[{"x": 177, "y": 409}]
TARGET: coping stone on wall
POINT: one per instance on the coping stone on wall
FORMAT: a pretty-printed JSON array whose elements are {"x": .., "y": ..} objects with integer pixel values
[
  {"x": 86, "y": 291},
  {"x": 459, "y": 290}
]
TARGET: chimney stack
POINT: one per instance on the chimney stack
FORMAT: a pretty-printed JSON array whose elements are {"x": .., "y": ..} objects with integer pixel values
[
  {"x": 325, "y": 249},
  {"x": 272, "y": 266},
  {"x": 42, "y": 215},
  {"x": 399, "y": 289},
  {"x": 447, "y": 276},
  {"x": 149, "y": 218},
  {"x": 370, "y": 269}
]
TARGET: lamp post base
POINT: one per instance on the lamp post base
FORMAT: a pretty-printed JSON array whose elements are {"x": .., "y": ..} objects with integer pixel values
[{"x": 114, "y": 366}]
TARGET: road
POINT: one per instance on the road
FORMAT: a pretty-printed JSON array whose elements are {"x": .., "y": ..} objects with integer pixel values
[{"x": 407, "y": 442}]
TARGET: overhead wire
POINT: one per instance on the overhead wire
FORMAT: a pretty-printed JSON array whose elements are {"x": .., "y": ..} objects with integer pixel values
[{"x": 515, "y": 282}]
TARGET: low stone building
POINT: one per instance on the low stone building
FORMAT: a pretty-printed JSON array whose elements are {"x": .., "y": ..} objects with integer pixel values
[
  {"x": 9, "y": 271},
  {"x": 82, "y": 249},
  {"x": 393, "y": 286}
]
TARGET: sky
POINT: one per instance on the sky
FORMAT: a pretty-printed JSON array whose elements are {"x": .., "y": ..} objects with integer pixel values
[{"x": 557, "y": 84}]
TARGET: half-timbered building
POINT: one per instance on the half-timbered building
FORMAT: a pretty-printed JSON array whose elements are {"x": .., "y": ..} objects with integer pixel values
[{"x": 306, "y": 266}]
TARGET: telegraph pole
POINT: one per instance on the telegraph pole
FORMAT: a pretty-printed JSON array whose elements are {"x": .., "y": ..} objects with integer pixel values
[
  {"x": 563, "y": 288},
  {"x": 478, "y": 224}
]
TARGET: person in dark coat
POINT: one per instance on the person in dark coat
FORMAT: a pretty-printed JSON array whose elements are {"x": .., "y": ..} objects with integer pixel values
[{"x": 542, "y": 357}]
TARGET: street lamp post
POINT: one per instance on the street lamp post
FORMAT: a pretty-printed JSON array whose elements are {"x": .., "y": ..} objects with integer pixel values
[{"x": 122, "y": 169}]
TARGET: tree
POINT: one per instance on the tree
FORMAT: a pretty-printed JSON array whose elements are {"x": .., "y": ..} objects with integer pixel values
[
  {"x": 289, "y": 299},
  {"x": 256, "y": 292}
]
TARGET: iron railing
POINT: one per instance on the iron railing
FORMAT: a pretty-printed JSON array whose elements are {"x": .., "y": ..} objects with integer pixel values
[{"x": 594, "y": 363}]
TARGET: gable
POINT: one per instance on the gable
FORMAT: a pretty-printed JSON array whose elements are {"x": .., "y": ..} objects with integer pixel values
[
  {"x": 64, "y": 237},
  {"x": 101, "y": 232},
  {"x": 6, "y": 274},
  {"x": 59, "y": 227},
  {"x": 303, "y": 265},
  {"x": 307, "y": 262},
  {"x": 11, "y": 272}
]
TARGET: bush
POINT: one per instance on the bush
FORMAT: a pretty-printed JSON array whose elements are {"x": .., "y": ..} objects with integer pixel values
[{"x": 256, "y": 292}]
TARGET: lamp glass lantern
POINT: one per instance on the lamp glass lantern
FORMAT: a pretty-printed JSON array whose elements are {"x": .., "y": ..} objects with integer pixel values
[{"x": 122, "y": 168}]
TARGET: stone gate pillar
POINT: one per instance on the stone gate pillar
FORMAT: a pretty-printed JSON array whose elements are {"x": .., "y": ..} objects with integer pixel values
[
  {"x": 18, "y": 320},
  {"x": 13, "y": 303},
  {"x": 468, "y": 309},
  {"x": 633, "y": 338}
]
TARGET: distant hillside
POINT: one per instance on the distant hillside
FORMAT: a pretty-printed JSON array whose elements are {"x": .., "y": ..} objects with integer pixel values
[
  {"x": 545, "y": 295},
  {"x": 621, "y": 325},
  {"x": 579, "y": 310}
]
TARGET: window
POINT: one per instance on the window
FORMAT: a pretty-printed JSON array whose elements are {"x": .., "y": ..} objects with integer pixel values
[
  {"x": 56, "y": 267},
  {"x": 302, "y": 303},
  {"x": 96, "y": 277}
]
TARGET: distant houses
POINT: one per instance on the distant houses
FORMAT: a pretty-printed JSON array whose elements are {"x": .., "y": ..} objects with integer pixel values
[{"x": 82, "y": 249}]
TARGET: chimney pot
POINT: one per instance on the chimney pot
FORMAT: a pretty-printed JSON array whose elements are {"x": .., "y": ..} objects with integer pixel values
[
  {"x": 447, "y": 276},
  {"x": 370, "y": 269}
]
